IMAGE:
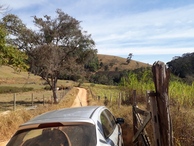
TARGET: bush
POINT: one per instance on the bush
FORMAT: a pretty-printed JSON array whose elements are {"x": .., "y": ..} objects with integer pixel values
[{"x": 47, "y": 88}]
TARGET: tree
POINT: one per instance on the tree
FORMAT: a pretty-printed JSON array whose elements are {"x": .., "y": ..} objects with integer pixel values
[
  {"x": 129, "y": 58},
  {"x": 58, "y": 46},
  {"x": 92, "y": 65}
]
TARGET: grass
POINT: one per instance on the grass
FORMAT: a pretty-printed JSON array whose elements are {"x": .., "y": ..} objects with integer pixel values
[
  {"x": 103, "y": 91},
  {"x": 10, "y": 122},
  {"x": 182, "y": 115},
  {"x": 120, "y": 63},
  {"x": 182, "y": 118},
  {"x": 11, "y": 80}
]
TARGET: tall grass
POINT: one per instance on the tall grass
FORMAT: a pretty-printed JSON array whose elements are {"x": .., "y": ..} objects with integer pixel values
[
  {"x": 103, "y": 91},
  {"x": 180, "y": 92},
  {"x": 181, "y": 104}
]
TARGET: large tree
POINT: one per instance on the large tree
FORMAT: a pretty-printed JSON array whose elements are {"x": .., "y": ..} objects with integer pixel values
[{"x": 57, "y": 46}]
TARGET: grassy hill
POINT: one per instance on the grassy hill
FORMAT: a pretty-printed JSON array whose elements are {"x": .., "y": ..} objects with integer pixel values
[
  {"x": 119, "y": 63},
  {"x": 9, "y": 77}
]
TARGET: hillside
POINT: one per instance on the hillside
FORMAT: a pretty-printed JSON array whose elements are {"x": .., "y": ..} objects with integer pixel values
[
  {"x": 115, "y": 63},
  {"x": 9, "y": 76},
  {"x": 108, "y": 63}
]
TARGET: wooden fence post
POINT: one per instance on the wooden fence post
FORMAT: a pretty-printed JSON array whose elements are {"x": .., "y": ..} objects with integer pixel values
[
  {"x": 161, "y": 77},
  {"x": 43, "y": 100},
  {"x": 32, "y": 99},
  {"x": 98, "y": 98},
  {"x": 135, "y": 122},
  {"x": 14, "y": 101},
  {"x": 155, "y": 120}
]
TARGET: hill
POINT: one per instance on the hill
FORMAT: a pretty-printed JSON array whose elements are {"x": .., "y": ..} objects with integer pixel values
[
  {"x": 112, "y": 65},
  {"x": 115, "y": 63},
  {"x": 9, "y": 76}
]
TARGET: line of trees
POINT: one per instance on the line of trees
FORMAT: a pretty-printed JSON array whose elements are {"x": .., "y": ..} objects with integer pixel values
[
  {"x": 57, "y": 48},
  {"x": 183, "y": 67}
]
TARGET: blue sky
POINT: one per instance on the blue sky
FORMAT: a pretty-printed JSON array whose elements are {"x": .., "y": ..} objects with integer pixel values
[{"x": 152, "y": 30}]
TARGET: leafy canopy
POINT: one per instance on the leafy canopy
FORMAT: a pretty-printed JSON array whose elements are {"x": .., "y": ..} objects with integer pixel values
[{"x": 58, "y": 47}]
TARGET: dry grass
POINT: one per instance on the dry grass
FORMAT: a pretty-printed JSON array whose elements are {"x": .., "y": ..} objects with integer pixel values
[
  {"x": 120, "y": 63},
  {"x": 10, "y": 122},
  {"x": 182, "y": 118},
  {"x": 183, "y": 126},
  {"x": 8, "y": 77}
]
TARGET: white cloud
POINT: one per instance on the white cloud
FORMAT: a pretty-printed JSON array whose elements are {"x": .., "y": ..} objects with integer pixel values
[
  {"x": 161, "y": 30},
  {"x": 145, "y": 51}
]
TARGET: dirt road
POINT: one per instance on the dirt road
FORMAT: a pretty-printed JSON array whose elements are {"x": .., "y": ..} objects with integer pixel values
[{"x": 80, "y": 100}]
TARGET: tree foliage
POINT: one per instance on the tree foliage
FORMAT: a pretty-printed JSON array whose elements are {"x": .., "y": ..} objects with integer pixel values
[
  {"x": 58, "y": 47},
  {"x": 129, "y": 58},
  {"x": 9, "y": 55},
  {"x": 18, "y": 34},
  {"x": 183, "y": 66}
]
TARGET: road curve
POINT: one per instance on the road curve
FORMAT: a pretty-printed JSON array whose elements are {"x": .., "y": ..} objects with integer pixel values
[{"x": 81, "y": 98}]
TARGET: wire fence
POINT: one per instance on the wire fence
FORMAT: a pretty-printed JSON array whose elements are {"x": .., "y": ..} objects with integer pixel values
[{"x": 29, "y": 100}]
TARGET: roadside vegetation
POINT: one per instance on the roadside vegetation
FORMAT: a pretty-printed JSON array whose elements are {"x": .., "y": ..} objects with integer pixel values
[{"x": 182, "y": 116}]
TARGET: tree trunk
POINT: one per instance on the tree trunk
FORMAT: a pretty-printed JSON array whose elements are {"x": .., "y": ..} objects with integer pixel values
[
  {"x": 55, "y": 95},
  {"x": 54, "y": 89}
]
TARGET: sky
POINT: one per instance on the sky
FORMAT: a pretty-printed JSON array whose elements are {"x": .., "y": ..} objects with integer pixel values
[{"x": 152, "y": 30}]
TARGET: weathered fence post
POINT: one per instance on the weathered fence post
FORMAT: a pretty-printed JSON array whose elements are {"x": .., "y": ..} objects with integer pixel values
[
  {"x": 14, "y": 101},
  {"x": 135, "y": 122},
  {"x": 98, "y": 98},
  {"x": 155, "y": 120},
  {"x": 161, "y": 77},
  {"x": 32, "y": 99},
  {"x": 43, "y": 100}
]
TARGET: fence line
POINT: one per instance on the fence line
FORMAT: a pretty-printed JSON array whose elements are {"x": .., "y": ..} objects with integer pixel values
[{"x": 30, "y": 104}]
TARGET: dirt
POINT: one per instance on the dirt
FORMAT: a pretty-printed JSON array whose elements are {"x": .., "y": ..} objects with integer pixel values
[{"x": 80, "y": 100}]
